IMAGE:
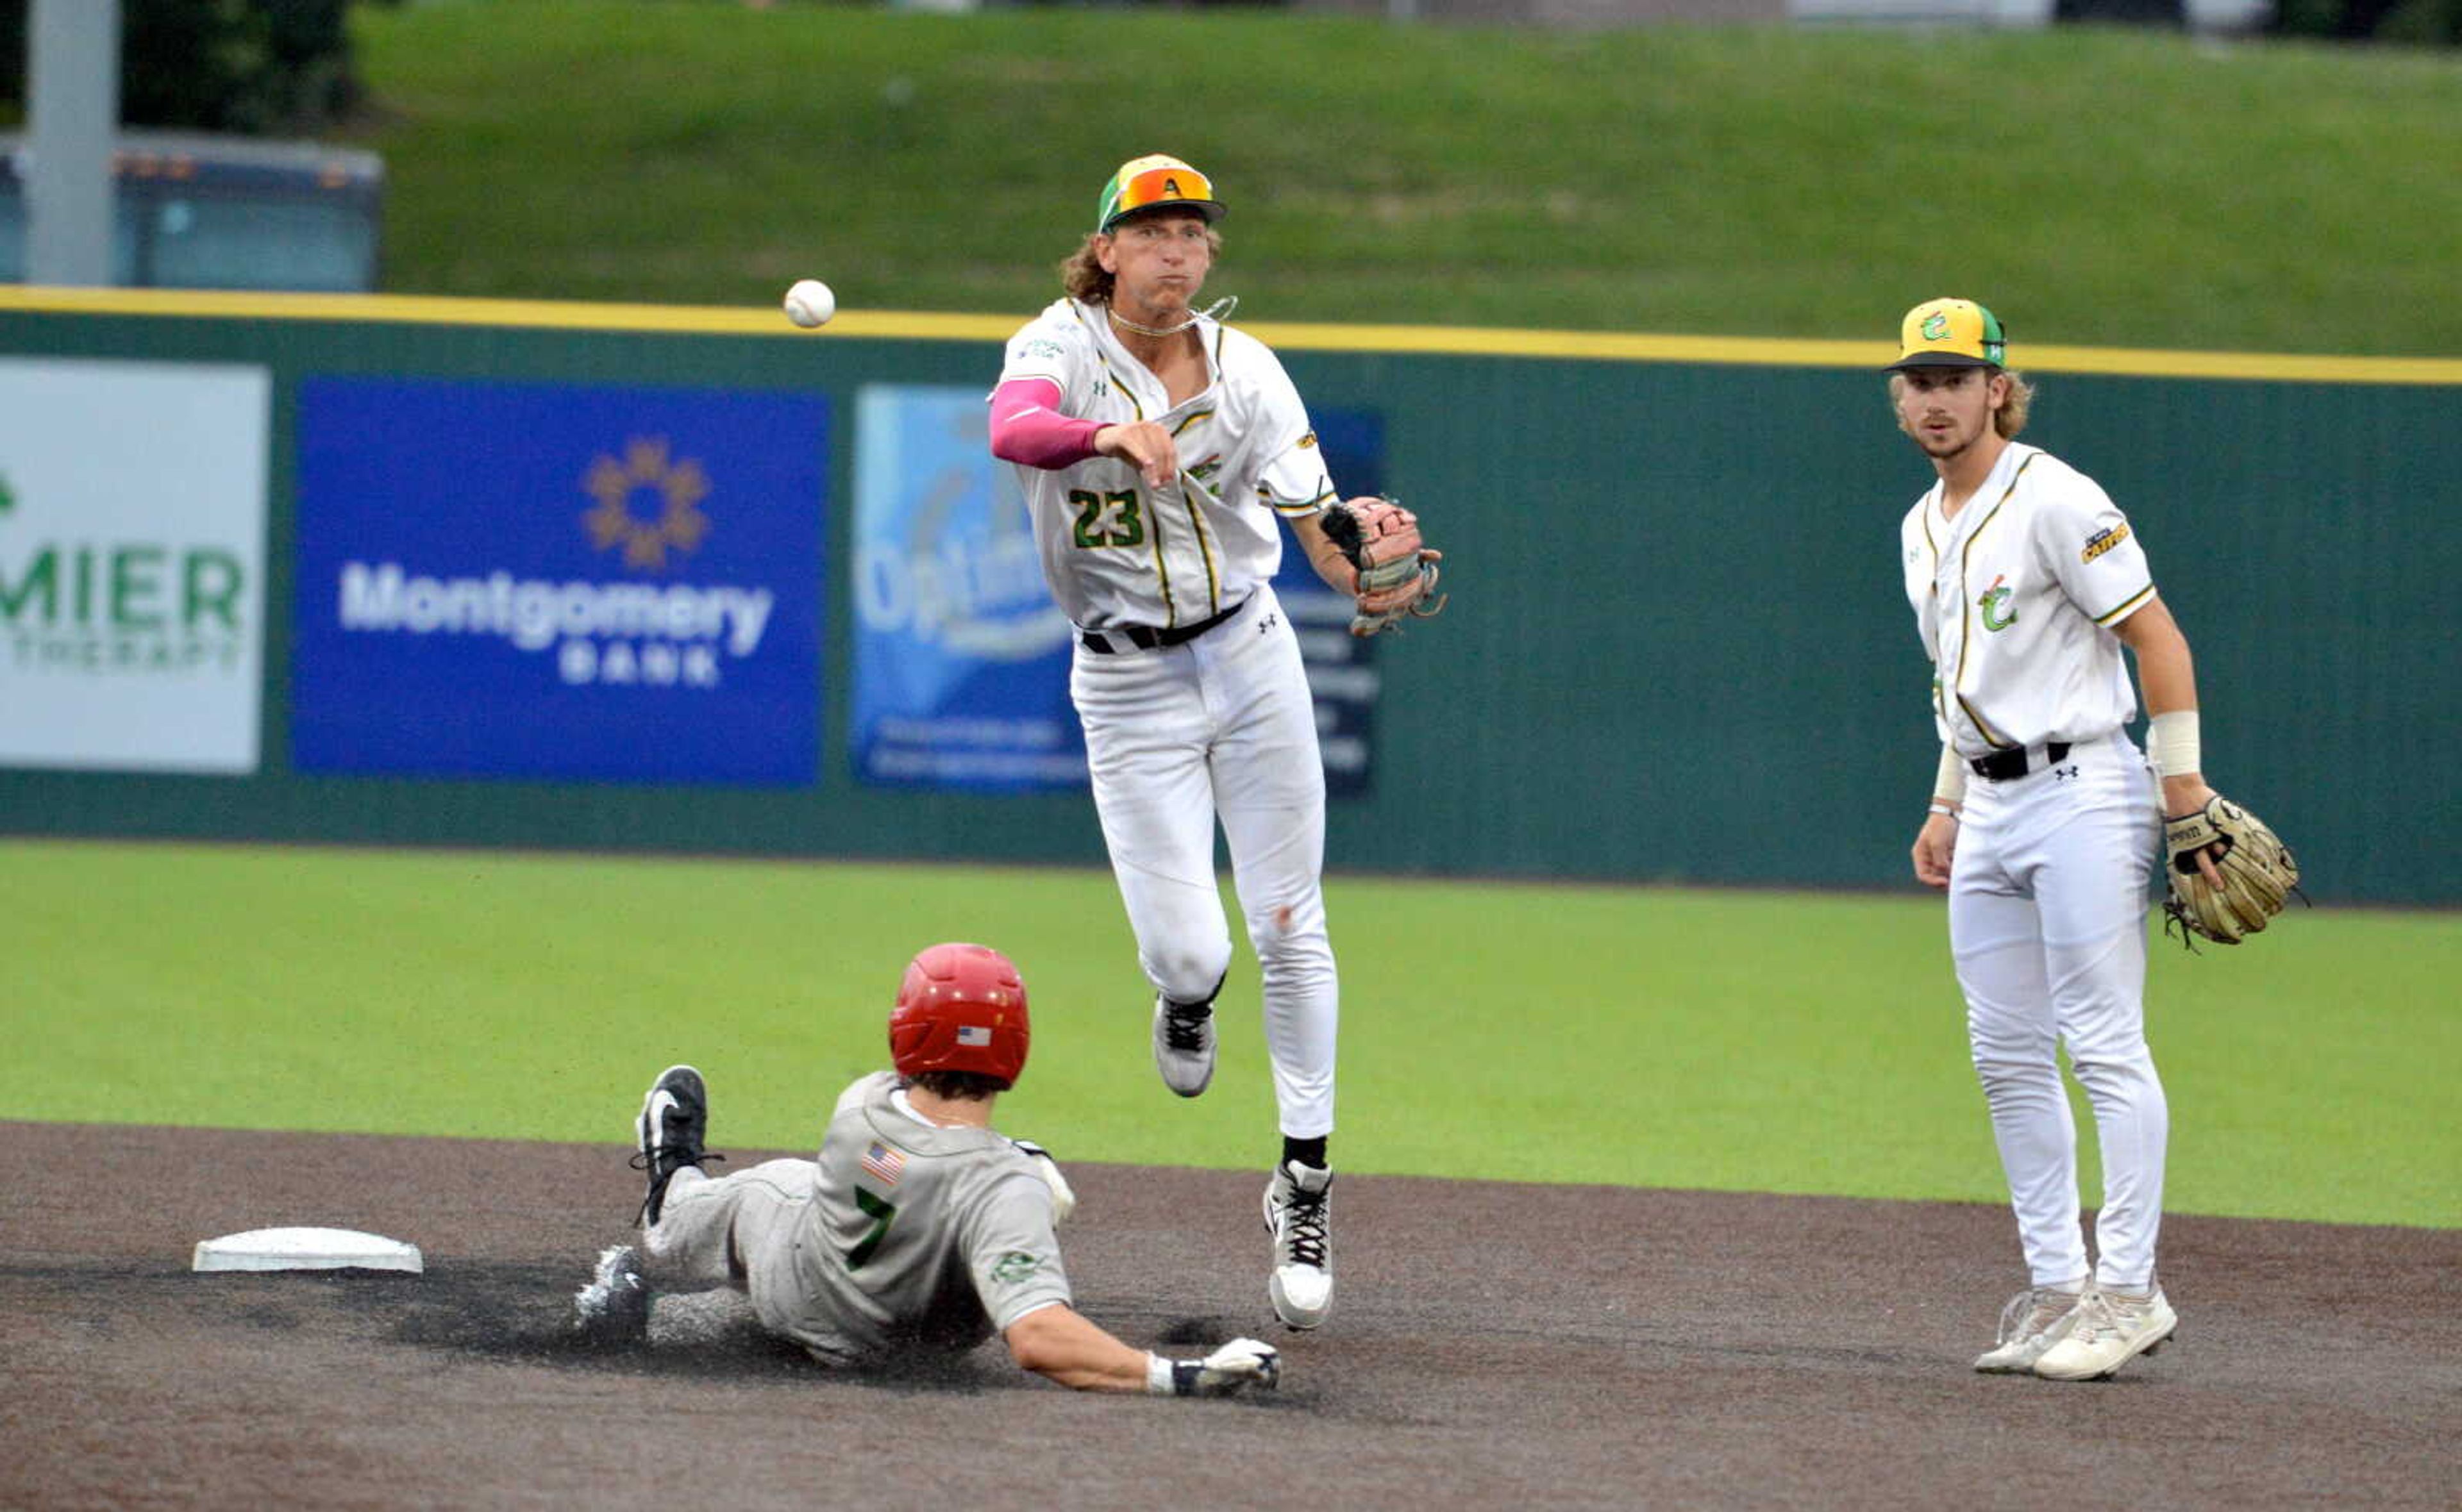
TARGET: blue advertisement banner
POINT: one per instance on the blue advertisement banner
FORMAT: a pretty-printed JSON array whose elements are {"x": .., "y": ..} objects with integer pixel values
[
  {"x": 1341, "y": 667},
  {"x": 558, "y": 582},
  {"x": 961, "y": 658}
]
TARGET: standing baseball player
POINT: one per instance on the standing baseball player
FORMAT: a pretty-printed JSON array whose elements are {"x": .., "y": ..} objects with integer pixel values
[
  {"x": 1156, "y": 448},
  {"x": 917, "y": 1227},
  {"x": 2026, "y": 581}
]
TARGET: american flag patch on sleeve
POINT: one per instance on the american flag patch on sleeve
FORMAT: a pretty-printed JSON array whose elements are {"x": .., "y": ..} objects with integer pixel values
[
  {"x": 974, "y": 1034},
  {"x": 882, "y": 1163}
]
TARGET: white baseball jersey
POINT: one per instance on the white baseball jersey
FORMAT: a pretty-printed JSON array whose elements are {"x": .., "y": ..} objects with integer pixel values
[
  {"x": 2015, "y": 599},
  {"x": 1119, "y": 552}
]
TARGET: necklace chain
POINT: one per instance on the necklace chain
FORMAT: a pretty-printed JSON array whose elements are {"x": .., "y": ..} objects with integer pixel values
[{"x": 1220, "y": 309}]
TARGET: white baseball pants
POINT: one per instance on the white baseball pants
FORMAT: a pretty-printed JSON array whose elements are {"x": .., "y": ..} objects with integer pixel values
[
  {"x": 1222, "y": 727},
  {"x": 2047, "y": 902}
]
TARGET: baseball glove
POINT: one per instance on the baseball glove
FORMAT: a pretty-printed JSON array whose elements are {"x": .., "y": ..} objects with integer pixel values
[
  {"x": 1397, "y": 573},
  {"x": 2258, "y": 869}
]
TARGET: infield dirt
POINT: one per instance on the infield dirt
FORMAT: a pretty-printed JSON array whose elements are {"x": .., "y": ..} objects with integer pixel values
[{"x": 1525, "y": 1346}]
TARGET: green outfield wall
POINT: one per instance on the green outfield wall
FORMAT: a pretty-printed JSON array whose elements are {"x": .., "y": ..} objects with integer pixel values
[{"x": 1677, "y": 647}]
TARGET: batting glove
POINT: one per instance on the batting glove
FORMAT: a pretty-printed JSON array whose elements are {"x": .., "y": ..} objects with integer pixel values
[
  {"x": 1239, "y": 1363},
  {"x": 1063, "y": 1200}
]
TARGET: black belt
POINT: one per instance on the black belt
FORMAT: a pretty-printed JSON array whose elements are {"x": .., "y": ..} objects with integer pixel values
[
  {"x": 1146, "y": 638},
  {"x": 2011, "y": 761}
]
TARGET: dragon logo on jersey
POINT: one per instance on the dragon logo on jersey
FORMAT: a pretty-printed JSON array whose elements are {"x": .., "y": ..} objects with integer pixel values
[
  {"x": 1993, "y": 604},
  {"x": 2101, "y": 541},
  {"x": 1014, "y": 1268}
]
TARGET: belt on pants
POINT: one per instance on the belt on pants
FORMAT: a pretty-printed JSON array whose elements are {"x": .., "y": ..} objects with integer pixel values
[
  {"x": 2013, "y": 761},
  {"x": 1146, "y": 638}
]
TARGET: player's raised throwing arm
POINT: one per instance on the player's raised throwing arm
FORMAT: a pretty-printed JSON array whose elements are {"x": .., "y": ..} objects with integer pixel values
[{"x": 1028, "y": 428}]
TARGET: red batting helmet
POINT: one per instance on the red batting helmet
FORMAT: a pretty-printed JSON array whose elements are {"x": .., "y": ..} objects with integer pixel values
[{"x": 960, "y": 1008}]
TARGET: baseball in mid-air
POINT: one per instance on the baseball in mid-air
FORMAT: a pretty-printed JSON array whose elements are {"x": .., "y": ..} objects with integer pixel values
[{"x": 810, "y": 303}]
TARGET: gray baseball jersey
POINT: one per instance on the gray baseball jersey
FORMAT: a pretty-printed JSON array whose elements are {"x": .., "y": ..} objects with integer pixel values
[
  {"x": 1118, "y": 552},
  {"x": 918, "y": 1233}
]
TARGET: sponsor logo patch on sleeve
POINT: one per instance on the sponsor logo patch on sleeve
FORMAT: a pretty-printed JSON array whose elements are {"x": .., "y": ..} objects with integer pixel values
[{"x": 2101, "y": 541}]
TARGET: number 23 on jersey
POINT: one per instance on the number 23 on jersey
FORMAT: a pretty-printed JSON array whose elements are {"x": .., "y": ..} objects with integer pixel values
[{"x": 1107, "y": 519}]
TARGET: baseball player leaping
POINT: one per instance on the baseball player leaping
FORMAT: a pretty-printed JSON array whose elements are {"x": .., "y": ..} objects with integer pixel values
[
  {"x": 2026, "y": 581},
  {"x": 1155, "y": 447},
  {"x": 919, "y": 1228}
]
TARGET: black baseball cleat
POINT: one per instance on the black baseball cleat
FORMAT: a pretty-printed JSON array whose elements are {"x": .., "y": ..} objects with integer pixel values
[{"x": 669, "y": 1135}]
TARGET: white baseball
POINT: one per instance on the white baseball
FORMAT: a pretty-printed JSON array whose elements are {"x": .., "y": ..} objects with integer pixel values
[{"x": 810, "y": 303}]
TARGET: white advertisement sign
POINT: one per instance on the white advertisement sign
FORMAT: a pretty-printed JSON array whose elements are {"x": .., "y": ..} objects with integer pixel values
[{"x": 132, "y": 564}]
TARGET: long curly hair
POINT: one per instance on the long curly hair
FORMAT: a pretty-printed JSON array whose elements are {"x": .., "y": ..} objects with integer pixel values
[
  {"x": 1082, "y": 275},
  {"x": 2007, "y": 421}
]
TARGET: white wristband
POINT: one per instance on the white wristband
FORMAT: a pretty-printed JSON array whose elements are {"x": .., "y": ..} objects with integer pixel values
[
  {"x": 1949, "y": 783},
  {"x": 1949, "y": 808},
  {"x": 2171, "y": 744},
  {"x": 1158, "y": 1375}
]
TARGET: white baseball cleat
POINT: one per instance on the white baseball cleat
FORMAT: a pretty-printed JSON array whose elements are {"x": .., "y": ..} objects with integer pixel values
[
  {"x": 1183, "y": 1044},
  {"x": 1298, "y": 1214},
  {"x": 2033, "y": 1322},
  {"x": 2111, "y": 1329},
  {"x": 614, "y": 1307}
]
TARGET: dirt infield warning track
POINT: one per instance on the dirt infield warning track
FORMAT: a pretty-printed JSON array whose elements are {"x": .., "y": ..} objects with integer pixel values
[{"x": 1491, "y": 1346}]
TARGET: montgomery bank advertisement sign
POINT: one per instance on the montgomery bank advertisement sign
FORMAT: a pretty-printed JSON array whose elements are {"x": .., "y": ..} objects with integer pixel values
[
  {"x": 558, "y": 582},
  {"x": 132, "y": 565}
]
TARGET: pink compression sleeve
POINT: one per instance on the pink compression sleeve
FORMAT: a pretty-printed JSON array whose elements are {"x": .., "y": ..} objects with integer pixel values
[{"x": 1027, "y": 429}]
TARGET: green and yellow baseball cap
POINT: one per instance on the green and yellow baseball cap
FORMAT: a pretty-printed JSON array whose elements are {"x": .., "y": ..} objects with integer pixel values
[
  {"x": 1152, "y": 182},
  {"x": 1950, "y": 333}
]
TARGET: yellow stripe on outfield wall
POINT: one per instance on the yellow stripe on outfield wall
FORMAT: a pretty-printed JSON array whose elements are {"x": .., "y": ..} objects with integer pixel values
[{"x": 908, "y": 325}]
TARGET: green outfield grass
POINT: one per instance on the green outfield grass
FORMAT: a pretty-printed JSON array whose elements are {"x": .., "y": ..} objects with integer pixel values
[
  {"x": 2132, "y": 188},
  {"x": 1642, "y": 1036}
]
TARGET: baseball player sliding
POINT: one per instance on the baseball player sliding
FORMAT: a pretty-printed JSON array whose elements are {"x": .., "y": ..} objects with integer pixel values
[
  {"x": 917, "y": 1227},
  {"x": 2026, "y": 581},
  {"x": 1156, "y": 448}
]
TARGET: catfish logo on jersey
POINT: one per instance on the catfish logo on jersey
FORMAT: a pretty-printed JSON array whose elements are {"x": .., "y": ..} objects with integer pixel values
[
  {"x": 1015, "y": 1267},
  {"x": 2101, "y": 541},
  {"x": 1993, "y": 604}
]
